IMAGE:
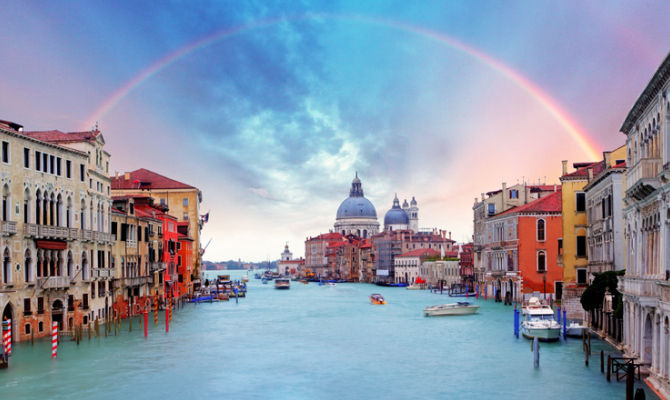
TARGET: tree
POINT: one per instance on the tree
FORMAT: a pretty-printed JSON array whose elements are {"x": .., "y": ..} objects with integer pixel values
[{"x": 594, "y": 295}]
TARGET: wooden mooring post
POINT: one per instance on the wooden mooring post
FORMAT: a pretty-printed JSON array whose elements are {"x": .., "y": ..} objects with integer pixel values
[
  {"x": 602, "y": 361},
  {"x": 609, "y": 368}
]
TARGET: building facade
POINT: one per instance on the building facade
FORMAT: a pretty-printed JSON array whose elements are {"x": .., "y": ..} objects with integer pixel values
[
  {"x": 55, "y": 239},
  {"x": 645, "y": 286},
  {"x": 180, "y": 200}
]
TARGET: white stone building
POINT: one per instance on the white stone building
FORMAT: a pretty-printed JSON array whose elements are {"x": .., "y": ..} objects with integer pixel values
[
  {"x": 356, "y": 214},
  {"x": 645, "y": 287}
]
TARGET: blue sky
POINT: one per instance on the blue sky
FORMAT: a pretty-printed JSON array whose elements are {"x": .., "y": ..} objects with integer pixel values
[{"x": 272, "y": 123}]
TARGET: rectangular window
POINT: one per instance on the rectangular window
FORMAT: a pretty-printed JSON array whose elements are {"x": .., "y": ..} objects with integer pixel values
[
  {"x": 581, "y": 276},
  {"x": 491, "y": 209},
  {"x": 560, "y": 246},
  {"x": 82, "y": 176},
  {"x": 26, "y": 157},
  {"x": 581, "y": 246},
  {"x": 68, "y": 168},
  {"x": 513, "y": 194},
  {"x": 45, "y": 162},
  {"x": 114, "y": 230},
  {"x": 38, "y": 160},
  {"x": 90, "y": 183},
  {"x": 58, "y": 163},
  {"x": 52, "y": 164},
  {"x": 185, "y": 202},
  {"x": 5, "y": 152},
  {"x": 139, "y": 234},
  {"x": 580, "y": 202},
  {"x": 40, "y": 305},
  {"x": 85, "y": 301},
  {"x": 26, "y": 306},
  {"x": 163, "y": 202},
  {"x": 124, "y": 232}
]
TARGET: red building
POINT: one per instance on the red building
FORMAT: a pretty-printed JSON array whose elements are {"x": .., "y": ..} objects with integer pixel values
[
  {"x": 523, "y": 250},
  {"x": 466, "y": 257},
  {"x": 184, "y": 259},
  {"x": 317, "y": 254}
]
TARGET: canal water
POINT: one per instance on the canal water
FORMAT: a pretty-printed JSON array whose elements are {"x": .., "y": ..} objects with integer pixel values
[{"x": 312, "y": 342}]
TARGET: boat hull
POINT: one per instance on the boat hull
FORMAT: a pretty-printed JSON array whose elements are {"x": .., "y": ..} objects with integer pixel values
[
  {"x": 543, "y": 334},
  {"x": 450, "y": 311}
]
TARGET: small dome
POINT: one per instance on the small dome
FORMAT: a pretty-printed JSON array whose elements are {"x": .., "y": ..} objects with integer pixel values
[
  {"x": 413, "y": 202},
  {"x": 396, "y": 215},
  {"x": 404, "y": 204}
]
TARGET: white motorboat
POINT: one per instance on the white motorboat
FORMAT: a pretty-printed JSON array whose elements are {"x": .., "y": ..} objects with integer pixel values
[
  {"x": 282, "y": 283},
  {"x": 575, "y": 329},
  {"x": 460, "y": 308},
  {"x": 539, "y": 321}
]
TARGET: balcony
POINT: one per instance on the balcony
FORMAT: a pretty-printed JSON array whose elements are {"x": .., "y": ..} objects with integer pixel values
[
  {"x": 54, "y": 282},
  {"x": 156, "y": 266},
  {"x": 55, "y": 232},
  {"x": 639, "y": 287},
  {"x": 87, "y": 235},
  {"x": 103, "y": 237},
  {"x": 73, "y": 233},
  {"x": 642, "y": 178},
  {"x": 101, "y": 273},
  {"x": 136, "y": 281},
  {"x": 30, "y": 230},
  {"x": 8, "y": 228}
]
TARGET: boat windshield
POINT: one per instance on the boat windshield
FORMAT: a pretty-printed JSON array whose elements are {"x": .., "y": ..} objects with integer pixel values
[{"x": 541, "y": 318}]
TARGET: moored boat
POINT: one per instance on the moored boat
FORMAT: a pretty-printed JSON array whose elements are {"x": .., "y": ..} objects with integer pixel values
[
  {"x": 575, "y": 329},
  {"x": 377, "y": 298},
  {"x": 460, "y": 308},
  {"x": 282, "y": 283},
  {"x": 539, "y": 321}
]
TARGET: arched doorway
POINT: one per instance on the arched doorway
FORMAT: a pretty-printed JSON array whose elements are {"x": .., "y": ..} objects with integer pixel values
[
  {"x": 647, "y": 340},
  {"x": 8, "y": 314},
  {"x": 57, "y": 313}
]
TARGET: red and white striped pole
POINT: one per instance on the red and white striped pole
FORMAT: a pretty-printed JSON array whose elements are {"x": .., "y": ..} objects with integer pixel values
[
  {"x": 7, "y": 336},
  {"x": 54, "y": 339}
]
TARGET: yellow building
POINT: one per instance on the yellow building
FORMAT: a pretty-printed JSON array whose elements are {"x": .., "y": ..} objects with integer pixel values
[
  {"x": 182, "y": 200},
  {"x": 573, "y": 245}
]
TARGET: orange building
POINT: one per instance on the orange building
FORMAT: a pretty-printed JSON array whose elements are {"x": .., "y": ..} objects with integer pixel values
[{"x": 523, "y": 249}]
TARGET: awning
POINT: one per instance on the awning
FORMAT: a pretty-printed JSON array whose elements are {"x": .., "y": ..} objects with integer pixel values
[{"x": 51, "y": 244}]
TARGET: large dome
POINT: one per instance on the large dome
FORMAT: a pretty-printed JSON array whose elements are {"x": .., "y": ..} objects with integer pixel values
[
  {"x": 356, "y": 207},
  {"x": 396, "y": 215}
]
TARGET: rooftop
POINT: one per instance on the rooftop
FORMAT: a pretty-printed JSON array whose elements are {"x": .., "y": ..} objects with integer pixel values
[{"x": 145, "y": 179}]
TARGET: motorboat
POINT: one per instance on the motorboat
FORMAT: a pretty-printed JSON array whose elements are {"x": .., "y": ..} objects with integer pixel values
[
  {"x": 282, "y": 283},
  {"x": 415, "y": 287},
  {"x": 377, "y": 299},
  {"x": 539, "y": 321},
  {"x": 575, "y": 329},
  {"x": 460, "y": 308},
  {"x": 331, "y": 283}
]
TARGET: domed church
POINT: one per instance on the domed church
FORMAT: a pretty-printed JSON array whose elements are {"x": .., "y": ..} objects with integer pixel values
[
  {"x": 404, "y": 218},
  {"x": 356, "y": 215}
]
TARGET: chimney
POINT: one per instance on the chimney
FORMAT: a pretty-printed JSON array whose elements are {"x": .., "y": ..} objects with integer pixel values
[
  {"x": 608, "y": 158},
  {"x": 483, "y": 197},
  {"x": 565, "y": 167},
  {"x": 450, "y": 235},
  {"x": 504, "y": 198},
  {"x": 116, "y": 173},
  {"x": 590, "y": 172},
  {"x": 126, "y": 176}
]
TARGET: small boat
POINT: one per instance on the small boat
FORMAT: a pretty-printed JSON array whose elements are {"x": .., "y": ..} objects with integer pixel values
[
  {"x": 539, "y": 321},
  {"x": 331, "y": 284},
  {"x": 377, "y": 298},
  {"x": 460, "y": 308},
  {"x": 575, "y": 329},
  {"x": 265, "y": 281},
  {"x": 282, "y": 283},
  {"x": 304, "y": 281},
  {"x": 415, "y": 287},
  {"x": 245, "y": 278}
]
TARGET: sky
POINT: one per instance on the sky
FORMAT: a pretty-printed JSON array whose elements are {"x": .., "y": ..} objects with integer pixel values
[{"x": 270, "y": 107}]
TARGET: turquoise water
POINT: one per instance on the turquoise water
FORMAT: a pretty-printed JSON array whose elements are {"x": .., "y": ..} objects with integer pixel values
[{"x": 312, "y": 342}]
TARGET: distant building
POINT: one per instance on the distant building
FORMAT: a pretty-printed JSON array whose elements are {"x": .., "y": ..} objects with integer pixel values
[
  {"x": 407, "y": 265},
  {"x": 466, "y": 257},
  {"x": 316, "y": 253},
  {"x": 288, "y": 266}
]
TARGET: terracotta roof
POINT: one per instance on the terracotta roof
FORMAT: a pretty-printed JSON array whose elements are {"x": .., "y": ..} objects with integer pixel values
[
  {"x": 9, "y": 125},
  {"x": 420, "y": 253},
  {"x": 598, "y": 167},
  {"x": 546, "y": 204},
  {"x": 56, "y": 136},
  {"x": 328, "y": 236},
  {"x": 145, "y": 179}
]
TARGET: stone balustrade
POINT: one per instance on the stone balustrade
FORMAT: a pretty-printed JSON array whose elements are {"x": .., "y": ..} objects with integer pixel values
[
  {"x": 9, "y": 227},
  {"x": 639, "y": 287},
  {"x": 54, "y": 282}
]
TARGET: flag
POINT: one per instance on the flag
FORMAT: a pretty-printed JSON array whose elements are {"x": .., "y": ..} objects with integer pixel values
[{"x": 205, "y": 218}]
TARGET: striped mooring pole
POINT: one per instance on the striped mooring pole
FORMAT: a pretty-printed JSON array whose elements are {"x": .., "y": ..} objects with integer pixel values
[
  {"x": 156, "y": 308},
  {"x": 146, "y": 317},
  {"x": 54, "y": 339},
  {"x": 7, "y": 336}
]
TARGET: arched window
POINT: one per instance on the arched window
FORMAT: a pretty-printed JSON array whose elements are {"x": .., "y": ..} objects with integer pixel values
[
  {"x": 541, "y": 261},
  {"x": 37, "y": 207},
  {"x": 82, "y": 215},
  {"x": 27, "y": 267},
  {"x": 6, "y": 267},
  {"x": 68, "y": 213},
  {"x": 5, "y": 203},
  {"x": 540, "y": 230},
  {"x": 26, "y": 206},
  {"x": 84, "y": 266},
  {"x": 69, "y": 264}
]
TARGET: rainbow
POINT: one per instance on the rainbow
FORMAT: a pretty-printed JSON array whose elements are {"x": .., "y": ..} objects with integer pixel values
[{"x": 572, "y": 128}]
